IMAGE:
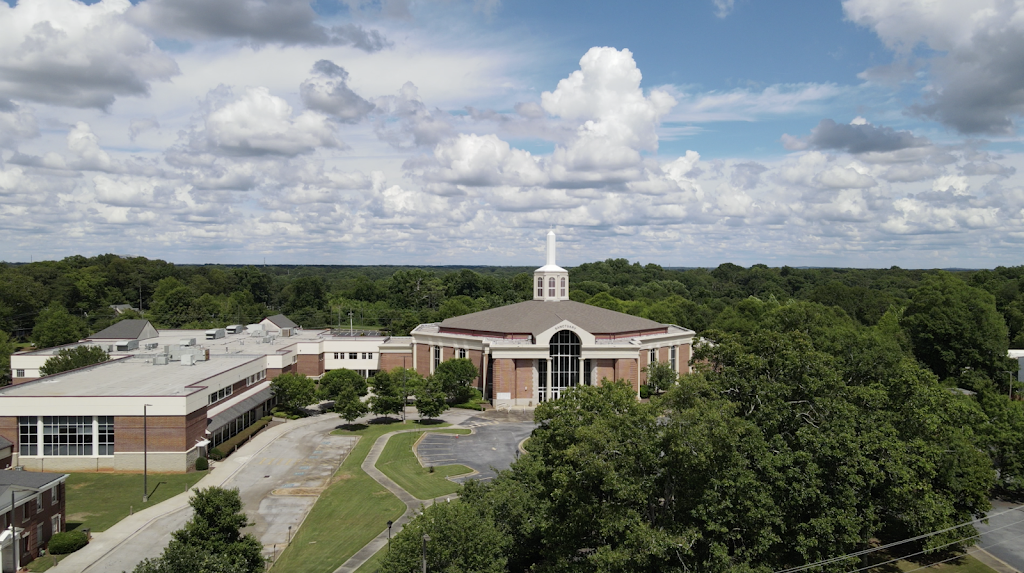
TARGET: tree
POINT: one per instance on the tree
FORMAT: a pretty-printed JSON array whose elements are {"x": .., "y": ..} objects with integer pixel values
[
  {"x": 431, "y": 400},
  {"x": 455, "y": 376},
  {"x": 293, "y": 391},
  {"x": 71, "y": 358},
  {"x": 388, "y": 395},
  {"x": 660, "y": 376},
  {"x": 346, "y": 388},
  {"x": 211, "y": 541},
  {"x": 56, "y": 326},
  {"x": 6, "y": 349},
  {"x": 954, "y": 326}
]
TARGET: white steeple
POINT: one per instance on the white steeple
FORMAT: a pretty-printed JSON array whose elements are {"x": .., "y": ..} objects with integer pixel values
[{"x": 551, "y": 282}]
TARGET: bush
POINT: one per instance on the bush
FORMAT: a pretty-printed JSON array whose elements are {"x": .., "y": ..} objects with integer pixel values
[
  {"x": 216, "y": 455},
  {"x": 67, "y": 542},
  {"x": 202, "y": 464},
  {"x": 645, "y": 391}
]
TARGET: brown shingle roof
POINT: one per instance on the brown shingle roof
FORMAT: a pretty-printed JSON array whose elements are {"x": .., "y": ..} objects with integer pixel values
[{"x": 536, "y": 316}]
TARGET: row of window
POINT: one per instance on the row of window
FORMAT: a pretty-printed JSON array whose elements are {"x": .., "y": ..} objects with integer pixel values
[
  {"x": 460, "y": 353},
  {"x": 353, "y": 355},
  {"x": 66, "y": 435},
  {"x": 232, "y": 428},
  {"x": 220, "y": 394},
  {"x": 551, "y": 286},
  {"x": 256, "y": 378},
  {"x": 671, "y": 356}
]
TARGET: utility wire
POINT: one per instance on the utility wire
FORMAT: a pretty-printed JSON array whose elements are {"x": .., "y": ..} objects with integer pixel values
[{"x": 832, "y": 560}]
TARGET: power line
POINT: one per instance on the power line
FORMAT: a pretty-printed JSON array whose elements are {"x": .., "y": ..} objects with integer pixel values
[{"x": 832, "y": 560}]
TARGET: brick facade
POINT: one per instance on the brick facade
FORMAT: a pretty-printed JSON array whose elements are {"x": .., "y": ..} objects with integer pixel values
[
  {"x": 685, "y": 351},
  {"x": 165, "y": 433},
  {"x": 310, "y": 364},
  {"x": 524, "y": 379},
  {"x": 504, "y": 376},
  {"x": 605, "y": 368},
  {"x": 626, "y": 369},
  {"x": 389, "y": 362},
  {"x": 477, "y": 358},
  {"x": 31, "y": 516},
  {"x": 423, "y": 359},
  {"x": 9, "y": 430}
]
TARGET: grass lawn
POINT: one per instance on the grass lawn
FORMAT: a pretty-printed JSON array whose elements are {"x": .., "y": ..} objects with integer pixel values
[
  {"x": 44, "y": 563},
  {"x": 99, "y": 500},
  {"x": 962, "y": 564},
  {"x": 399, "y": 463},
  {"x": 373, "y": 563},
  {"x": 350, "y": 512}
]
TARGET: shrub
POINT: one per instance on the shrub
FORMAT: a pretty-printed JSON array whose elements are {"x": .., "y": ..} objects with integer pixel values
[
  {"x": 216, "y": 455},
  {"x": 645, "y": 391},
  {"x": 67, "y": 542},
  {"x": 202, "y": 464}
]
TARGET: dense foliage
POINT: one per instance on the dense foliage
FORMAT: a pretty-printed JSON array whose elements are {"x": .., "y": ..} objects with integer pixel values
[
  {"x": 71, "y": 358},
  {"x": 64, "y": 542},
  {"x": 211, "y": 541}
]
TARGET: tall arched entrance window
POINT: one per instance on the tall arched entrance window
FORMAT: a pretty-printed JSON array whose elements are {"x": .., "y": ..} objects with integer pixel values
[{"x": 565, "y": 362}]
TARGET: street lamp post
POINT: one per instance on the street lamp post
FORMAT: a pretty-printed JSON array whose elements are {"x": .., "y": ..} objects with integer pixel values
[
  {"x": 14, "y": 539},
  {"x": 426, "y": 538},
  {"x": 389, "y": 535},
  {"x": 145, "y": 453}
]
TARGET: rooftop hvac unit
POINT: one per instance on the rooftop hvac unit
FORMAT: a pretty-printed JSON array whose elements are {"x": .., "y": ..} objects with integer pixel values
[
  {"x": 235, "y": 329},
  {"x": 187, "y": 342},
  {"x": 126, "y": 345},
  {"x": 215, "y": 333},
  {"x": 160, "y": 360},
  {"x": 110, "y": 347},
  {"x": 152, "y": 345},
  {"x": 268, "y": 339},
  {"x": 188, "y": 359}
]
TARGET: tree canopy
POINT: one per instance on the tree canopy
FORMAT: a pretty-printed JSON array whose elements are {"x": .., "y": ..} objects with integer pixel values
[
  {"x": 71, "y": 358},
  {"x": 293, "y": 390}
]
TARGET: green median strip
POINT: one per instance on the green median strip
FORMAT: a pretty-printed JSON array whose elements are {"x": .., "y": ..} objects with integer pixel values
[
  {"x": 399, "y": 463},
  {"x": 350, "y": 512}
]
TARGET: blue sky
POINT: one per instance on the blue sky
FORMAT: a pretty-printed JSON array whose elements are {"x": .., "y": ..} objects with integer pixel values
[{"x": 831, "y": 133}]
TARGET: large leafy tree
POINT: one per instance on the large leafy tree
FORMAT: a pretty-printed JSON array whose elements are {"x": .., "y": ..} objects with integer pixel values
[
  {"x": 211, "y": 541},
  {"x": 388, "y": 397},
  {"x": 71, "y": 358},
  {"x": 660, "y": 376},
  {"x": 346, "y": 389},
  {"x": 431, "y": 400},
  {"x": 56, "y": 326},
  {"x": 293, "y": 390},
  {"x": 954, "y": 327},
  {"x": 6, "y": 349},
  {"x": 455, "y": 376}
]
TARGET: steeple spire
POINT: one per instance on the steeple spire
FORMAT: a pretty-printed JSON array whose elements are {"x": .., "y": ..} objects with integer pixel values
[{"x": 551, "y": 282}]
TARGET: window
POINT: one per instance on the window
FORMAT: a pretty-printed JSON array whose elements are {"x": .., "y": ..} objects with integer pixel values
[
  {"x": 28, "y": 436},
  {"x": 437, "y": 357},
  {"x": 19, "y": 373},
  {"x": 364, "y": 356},
  {"x": 565, "y": 361},
  {"x": 540, "y": 286},
  {"x": 39, "y": 535},
  {"x": 654, "y": 356},
  {"x": 352, "y": 355},
  {"x": 55, "y": 495},
  {"x": 672, "y": 358},
  {"x": 369, "y": 356},
  {"x": 587, "y": 378},
  {"x": 220, "y": 394},
  {"x": 67, "y": 435},
  {"x": 39, "y": 505},
  {"x": 104, "y": 436},
  {"x": 462, "y": 353},
  {"x": 55, "y": 524},
  {"x": 563, "y": 286},
  {"x": 542, "y": 379}
]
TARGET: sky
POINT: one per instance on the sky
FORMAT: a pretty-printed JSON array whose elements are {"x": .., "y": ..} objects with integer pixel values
[{"x": 855, "y": 133}]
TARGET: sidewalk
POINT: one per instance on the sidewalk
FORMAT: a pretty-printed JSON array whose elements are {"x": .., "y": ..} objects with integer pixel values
[{"x": 106, "y": 541}]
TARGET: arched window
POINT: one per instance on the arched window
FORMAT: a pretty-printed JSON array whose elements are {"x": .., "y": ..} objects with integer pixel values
[
  {"x": 563, "y": 287},
  {"x": 565, "y": 361},
  {"x": 540, "y": 286},
  {"x": 551, "y": 287},
  {"x": 551, "y": 282}
]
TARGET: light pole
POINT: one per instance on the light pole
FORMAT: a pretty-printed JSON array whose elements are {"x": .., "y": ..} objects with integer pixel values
[
  {"x": 145, "y": 453},
  {"x": 426, "y": 538},
  {"x": 389, "y": 535},
  {"x": 14, "y": 539}
]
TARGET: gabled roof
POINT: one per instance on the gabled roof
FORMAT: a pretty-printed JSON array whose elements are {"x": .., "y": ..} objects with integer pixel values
[
  {"x": 281, "y": 321},
  {"x": 4, "y": 442},
  {"x": 124, "y": 330},
  {"x": 18, "y": 480},
  {"x": 536, "y": 316}
]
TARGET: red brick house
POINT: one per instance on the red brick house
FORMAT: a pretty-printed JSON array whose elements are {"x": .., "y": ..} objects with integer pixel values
[{"x": 38, "y": 512}]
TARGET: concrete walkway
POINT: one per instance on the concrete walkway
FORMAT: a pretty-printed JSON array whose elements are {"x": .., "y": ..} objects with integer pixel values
[{"x": 123, "y": 531}]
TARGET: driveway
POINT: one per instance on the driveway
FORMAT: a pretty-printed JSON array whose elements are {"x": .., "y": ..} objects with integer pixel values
[
  {"x": 278, "y": 486},
  {"x": 1002, "y": 535},
  {"x": 492, "y": 447}
]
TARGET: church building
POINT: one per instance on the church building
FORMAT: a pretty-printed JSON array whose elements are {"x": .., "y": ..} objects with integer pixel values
[{"x": 533, "y": 351}]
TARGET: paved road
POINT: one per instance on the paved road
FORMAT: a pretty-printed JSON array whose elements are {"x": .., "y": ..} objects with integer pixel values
[
  {"x": 492, "y": 447},
  {"x": 278, "y": 486},
  {"x": 1003, "y": 536}
]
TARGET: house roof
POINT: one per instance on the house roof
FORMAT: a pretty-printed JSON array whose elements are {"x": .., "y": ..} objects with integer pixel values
[
  {"x": 536, "y": 316},
  {"x": 18, "y": 480},
  {"x": 124, "y": 330},
  {"x": 4, "y": 442},
  {"x": 281, "y": 321}
]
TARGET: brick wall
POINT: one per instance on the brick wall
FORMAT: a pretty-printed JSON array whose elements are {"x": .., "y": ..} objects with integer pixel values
[
  {"x": 389, "y": 362},
  {"x": 477, "y": 358},
  {"x": 423, "y": 359},
  {"x": 644, "y": 360},
  {"x": 16, "y": 381},
  {"x": 524, "y": 379},
  {"x": 663, "y": 354},
  {"x": 685, "y": 351},
  {"x": 447, "y": 353},
  {"x": 165, "y": 433},
  {"x": 504, "y": 375},
  {"x": 310, "y": 364},
  {"x": 31, "y": 515},
  {"x": 9, "y": 430},
  {"x": 605, "y": 369},
  {"x": 625, "y": 368},
  {"x": 195, "y": 428}
]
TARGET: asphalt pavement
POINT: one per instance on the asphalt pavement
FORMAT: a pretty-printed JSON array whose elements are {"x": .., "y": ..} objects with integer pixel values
[
  {"x": 492, "y": 447},
  {"x": 1003, "y": 535}
]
